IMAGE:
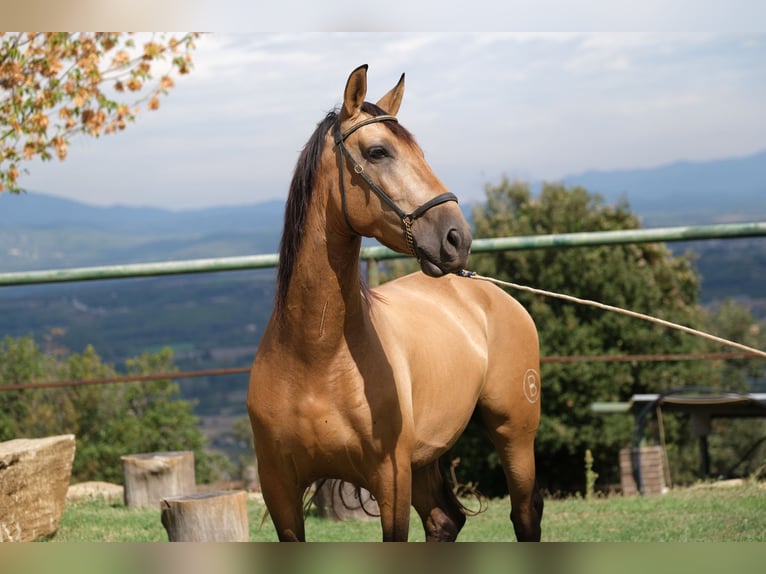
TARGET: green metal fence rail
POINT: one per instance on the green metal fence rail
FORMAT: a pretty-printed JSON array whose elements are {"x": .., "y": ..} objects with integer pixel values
[
  {"x": 377, "y": 253},
  {"x": 372, "y": 255}
]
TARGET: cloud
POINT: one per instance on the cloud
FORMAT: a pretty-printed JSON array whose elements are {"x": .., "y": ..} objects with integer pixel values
[{"x": 481, "y": 104}]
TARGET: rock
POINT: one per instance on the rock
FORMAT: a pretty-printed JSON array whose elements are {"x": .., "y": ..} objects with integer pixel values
[
  {"x": 107, "y": 491},
  {"x": 34, "y": 478}
]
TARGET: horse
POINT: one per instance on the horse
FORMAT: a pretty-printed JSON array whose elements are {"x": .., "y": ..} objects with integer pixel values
[{"x": 373, "y": 386}]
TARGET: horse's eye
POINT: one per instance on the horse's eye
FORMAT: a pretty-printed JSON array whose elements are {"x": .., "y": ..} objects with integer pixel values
[{"x": 377, "y": 153}]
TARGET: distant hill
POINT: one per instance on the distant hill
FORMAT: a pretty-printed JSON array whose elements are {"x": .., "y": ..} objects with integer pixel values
[
  {"x": 719, "y": 191},
  {"x": 34, "y": 210},
  {"x": 41, "y": 231},
  {"x": 38, "y": 231}
]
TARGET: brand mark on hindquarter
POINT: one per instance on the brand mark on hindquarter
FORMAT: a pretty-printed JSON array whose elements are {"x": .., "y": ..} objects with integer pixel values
[{"x": 531, "y": 385}]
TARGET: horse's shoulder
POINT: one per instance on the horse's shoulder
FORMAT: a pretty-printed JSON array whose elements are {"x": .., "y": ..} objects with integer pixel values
[{"x": 448, "y": 290}]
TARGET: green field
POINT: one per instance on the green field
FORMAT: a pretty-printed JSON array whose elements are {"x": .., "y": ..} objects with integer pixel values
[{"x": 704, "y": 513}]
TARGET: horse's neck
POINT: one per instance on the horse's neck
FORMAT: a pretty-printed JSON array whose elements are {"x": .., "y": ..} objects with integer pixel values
[{"x": 324, "y": 299}]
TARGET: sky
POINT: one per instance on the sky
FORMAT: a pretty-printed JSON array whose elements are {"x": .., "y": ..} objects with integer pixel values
[{"x": 527, "y": 105}]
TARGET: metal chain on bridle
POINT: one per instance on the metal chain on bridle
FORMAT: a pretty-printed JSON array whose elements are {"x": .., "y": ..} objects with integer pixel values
[{"x": 407, "y": 218}]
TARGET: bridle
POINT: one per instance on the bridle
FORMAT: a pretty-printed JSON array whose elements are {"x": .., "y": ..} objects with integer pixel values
[{"x": 406, "y": 218}]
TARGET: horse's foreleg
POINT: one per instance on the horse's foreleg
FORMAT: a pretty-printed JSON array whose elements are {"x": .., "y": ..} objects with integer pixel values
[
  {"x": 393, "y": 491},
  {"x": 284, "y": 499},
  {"x": 439, "y": 509}
]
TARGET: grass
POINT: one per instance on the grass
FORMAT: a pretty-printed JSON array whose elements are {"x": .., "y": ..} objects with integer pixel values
[{"x": 700, "y": 514}]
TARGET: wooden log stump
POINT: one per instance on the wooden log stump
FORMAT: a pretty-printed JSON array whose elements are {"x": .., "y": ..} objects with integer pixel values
[
  {"x": 206, "y": 517},
  {"x": 339, "y": 500},
  {"x": 34, "y": 478},
  {"x": 150, "y": 477}
]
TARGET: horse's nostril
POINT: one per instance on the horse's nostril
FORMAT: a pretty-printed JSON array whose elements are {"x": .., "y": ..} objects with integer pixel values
[{"x": 453, "y": 237}]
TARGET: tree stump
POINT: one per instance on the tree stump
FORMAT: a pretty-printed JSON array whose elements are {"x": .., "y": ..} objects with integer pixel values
[
  {"x": 34, "y": 478},
  {"x": 150, "y": 477},
  {"x": 341, "y": 500},
  {"x": 208, "y": 517}
]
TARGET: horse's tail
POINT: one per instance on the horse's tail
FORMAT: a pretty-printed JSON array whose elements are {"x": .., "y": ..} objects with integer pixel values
[
  {"x": 358, "y": 500},
  {"x": 454, "y": 490}
]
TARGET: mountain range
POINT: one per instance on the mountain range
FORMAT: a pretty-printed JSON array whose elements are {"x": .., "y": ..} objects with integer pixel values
[
  {"x": 39, "y": 231},
  {"x": 687, "y": 193}
]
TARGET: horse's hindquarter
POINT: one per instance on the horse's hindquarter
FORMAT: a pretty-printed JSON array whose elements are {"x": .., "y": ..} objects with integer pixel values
[{"x": 463, "y": 342}]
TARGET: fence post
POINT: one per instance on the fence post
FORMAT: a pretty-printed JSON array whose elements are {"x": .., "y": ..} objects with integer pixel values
[{"x": 373, "y": 273}]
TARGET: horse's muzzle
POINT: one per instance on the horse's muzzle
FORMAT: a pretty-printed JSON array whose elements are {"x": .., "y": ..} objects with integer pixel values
[{"x": 448, "y": 253}]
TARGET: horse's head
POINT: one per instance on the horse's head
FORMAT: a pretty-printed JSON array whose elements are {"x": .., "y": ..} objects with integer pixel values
[{"x": 387, "y": 190}]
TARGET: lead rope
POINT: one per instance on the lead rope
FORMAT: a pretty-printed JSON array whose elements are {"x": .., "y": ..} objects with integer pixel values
[{"x": 634, "y": 314}]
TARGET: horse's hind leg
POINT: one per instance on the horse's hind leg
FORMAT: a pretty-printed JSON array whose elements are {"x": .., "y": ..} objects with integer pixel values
[
  {"x": 516, "y": 449},
  {"x": 435, "y": 503},
  {"x": 526, "y": 508}
]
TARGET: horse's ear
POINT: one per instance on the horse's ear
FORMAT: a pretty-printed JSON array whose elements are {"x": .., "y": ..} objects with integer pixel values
[
  {"x": 356, "y": 90},
  {"x": 391, "y": 101}
]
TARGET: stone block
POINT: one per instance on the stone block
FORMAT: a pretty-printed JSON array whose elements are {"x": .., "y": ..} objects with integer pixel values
[{"x": 34, "y": 478}]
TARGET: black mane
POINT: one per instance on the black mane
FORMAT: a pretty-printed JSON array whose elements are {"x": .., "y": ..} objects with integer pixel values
[
  {"x": 300, "y": 195},
  {"x": 297, "y": 206}
]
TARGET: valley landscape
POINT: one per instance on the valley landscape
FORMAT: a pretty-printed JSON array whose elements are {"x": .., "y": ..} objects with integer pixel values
[{"x": 215, "y": 320}]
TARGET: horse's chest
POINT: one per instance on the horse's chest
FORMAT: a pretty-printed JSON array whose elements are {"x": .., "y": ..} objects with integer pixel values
[
  {"x": 321, "y": 417},
  {"x": 316, "y": 426}
]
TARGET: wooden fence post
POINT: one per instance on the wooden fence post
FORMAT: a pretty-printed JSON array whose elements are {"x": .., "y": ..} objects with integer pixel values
[
  {"x": 153, "y": 476},
  {"x": 206, "y": 517}
]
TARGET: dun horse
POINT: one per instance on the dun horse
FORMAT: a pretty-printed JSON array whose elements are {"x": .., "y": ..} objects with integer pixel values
[{"x": 373, "y": 386}]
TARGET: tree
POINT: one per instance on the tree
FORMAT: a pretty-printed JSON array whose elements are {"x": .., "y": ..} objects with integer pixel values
[
  {"x": 56, "y": 85},
  {"x": 644, "y": 277},
  {"x": 738, "y": 446},
  {"x": 734, "y": 321},
  {"x": 108, "y": 420},
  {"x": 21, "y": 361}
]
